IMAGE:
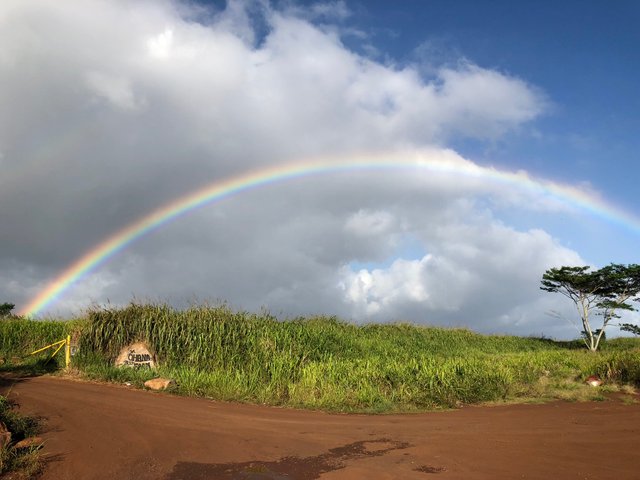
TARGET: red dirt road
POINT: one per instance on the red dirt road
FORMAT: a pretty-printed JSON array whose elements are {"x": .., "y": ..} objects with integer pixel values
[{"x": 111, "y": 432}]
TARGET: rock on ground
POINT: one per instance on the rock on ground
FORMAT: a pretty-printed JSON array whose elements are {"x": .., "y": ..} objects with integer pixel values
[
  {"x": 29, "y": 443},
  {"x": 159, "y": 383}
]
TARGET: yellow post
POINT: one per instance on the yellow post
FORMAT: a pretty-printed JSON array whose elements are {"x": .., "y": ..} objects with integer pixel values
[{"x": 67, "y": 352}]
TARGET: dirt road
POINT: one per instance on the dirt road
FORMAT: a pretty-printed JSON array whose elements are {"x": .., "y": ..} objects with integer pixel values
[{"x": 112, "y": 432}]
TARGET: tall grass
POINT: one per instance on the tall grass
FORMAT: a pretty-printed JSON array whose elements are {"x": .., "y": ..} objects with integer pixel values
[
  {"x": 19, "y": 336},
  {"x": 322, "y": 362}
]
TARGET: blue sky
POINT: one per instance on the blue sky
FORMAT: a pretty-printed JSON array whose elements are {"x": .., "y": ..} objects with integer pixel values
[
  {"x": 115, "y": 109},
  {"x": 584, "y": 56}
]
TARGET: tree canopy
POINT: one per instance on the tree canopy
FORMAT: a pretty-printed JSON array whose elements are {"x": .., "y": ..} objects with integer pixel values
[
  {"x": 630, "y": 327},
  {"x": 601, "y": 292},
  {"x": 5, "y": 309}
]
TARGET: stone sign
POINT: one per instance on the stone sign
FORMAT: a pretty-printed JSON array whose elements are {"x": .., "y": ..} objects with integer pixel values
[{"x": 136, "y": 355}]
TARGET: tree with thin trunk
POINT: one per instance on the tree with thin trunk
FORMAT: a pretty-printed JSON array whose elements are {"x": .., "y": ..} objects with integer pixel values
[{"x": 601, "y": 292}]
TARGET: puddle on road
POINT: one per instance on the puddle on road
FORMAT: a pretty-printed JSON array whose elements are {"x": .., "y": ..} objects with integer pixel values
[
  {"x": 430, "y": 469},
  {"x": 287, "y": 468}
]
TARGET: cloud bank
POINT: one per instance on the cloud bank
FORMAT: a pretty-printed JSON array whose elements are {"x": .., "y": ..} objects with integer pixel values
[{"x": 112, "y": 108}]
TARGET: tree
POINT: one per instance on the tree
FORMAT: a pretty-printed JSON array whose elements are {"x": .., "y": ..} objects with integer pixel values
[
  {"x": 601, "y": 292},
  {"x": 5, "y": 309},
  {"x": 630, "y": 327}
]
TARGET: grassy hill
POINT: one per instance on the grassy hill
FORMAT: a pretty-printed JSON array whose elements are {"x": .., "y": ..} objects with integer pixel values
[{"x": 322, "y": 362}]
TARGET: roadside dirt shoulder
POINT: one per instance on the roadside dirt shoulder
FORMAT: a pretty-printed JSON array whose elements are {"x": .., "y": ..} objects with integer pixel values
[{"x": 96, "y": 431}]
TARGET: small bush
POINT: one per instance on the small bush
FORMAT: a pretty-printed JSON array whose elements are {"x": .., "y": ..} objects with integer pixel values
[{"x": 24, "y": 462}]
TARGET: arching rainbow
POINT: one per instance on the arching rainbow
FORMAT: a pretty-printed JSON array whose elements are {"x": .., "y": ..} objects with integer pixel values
[{"x": 446, "y": 162}]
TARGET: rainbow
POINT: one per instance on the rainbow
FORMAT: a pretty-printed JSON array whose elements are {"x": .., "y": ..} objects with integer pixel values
[{"x": 436, "y": 162}]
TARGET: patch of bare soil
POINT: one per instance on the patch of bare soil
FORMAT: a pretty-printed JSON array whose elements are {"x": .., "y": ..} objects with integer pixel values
[{"x": 99, "y": 432}]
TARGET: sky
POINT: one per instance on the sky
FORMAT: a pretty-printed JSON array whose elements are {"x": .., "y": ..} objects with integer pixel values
[{"x": 411, "y": 161}]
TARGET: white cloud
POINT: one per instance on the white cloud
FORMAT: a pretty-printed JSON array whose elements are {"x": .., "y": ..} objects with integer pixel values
[
  {"x": 160, "y": 45},
  {"x": 336, "y": 10},
  {"x": 474, "y": 273},
  {"x": 116, "y": 90},
  {"x": 375, "y": 292},
  {"x": 472, "y": 96},
  {"x": 364, "y": 223},
  {"x": 328, "y": 14}
]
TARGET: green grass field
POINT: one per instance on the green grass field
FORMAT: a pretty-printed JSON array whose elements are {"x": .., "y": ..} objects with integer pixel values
[{"x": 325, "y": 363}]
